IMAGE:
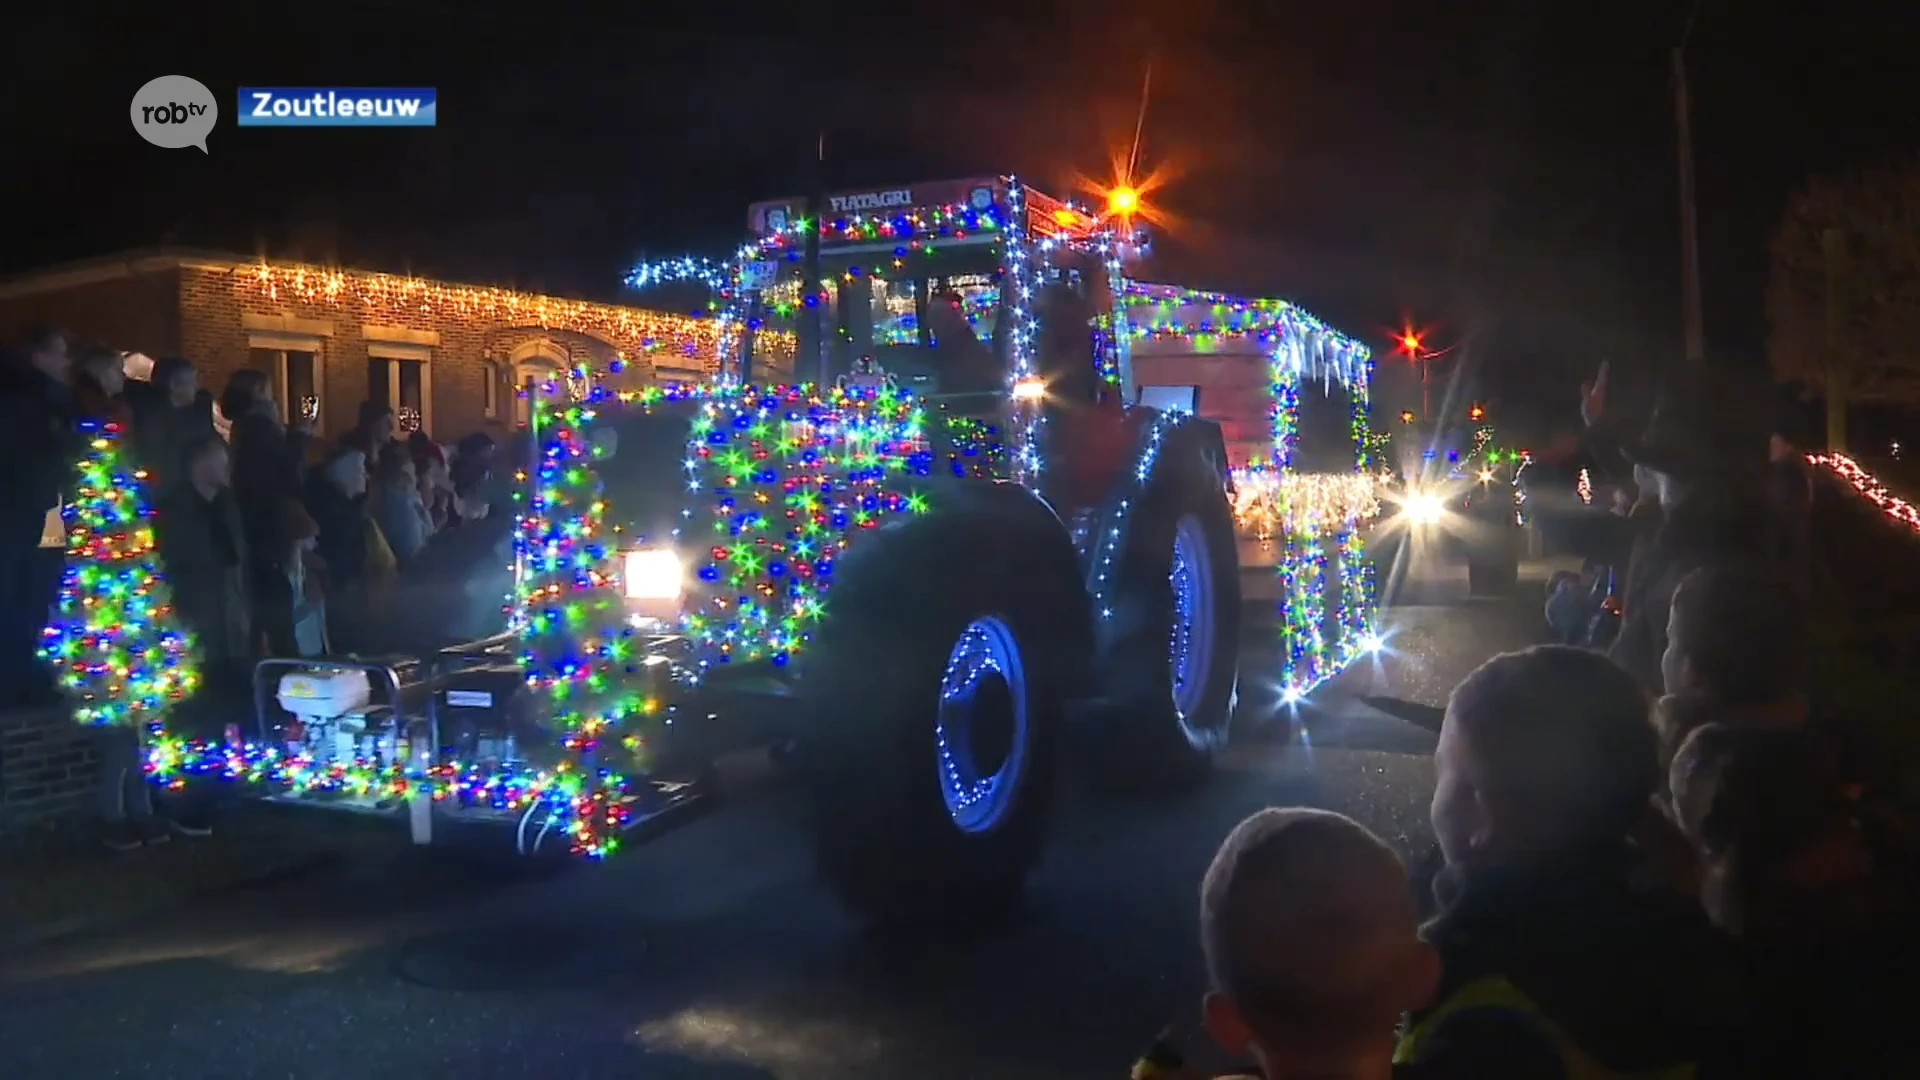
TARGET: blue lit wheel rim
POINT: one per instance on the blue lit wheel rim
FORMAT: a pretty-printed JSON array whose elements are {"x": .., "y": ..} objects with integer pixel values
[
  {"x": 982, "y": 732},
  {"x": 1190, "y": 641}
]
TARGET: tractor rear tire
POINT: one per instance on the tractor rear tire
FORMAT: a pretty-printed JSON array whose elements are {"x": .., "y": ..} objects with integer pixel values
[{"x": 1167, "y": 675}]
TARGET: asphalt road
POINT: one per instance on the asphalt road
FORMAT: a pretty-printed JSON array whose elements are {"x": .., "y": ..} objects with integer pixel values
[{"x": 711, "y": 953}]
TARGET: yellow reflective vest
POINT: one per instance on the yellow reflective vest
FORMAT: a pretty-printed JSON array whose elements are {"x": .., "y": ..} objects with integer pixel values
[{"x": 1495, "y": 992}]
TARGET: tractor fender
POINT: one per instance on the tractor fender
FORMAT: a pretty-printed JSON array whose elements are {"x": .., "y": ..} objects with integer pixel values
[
  {"x": 1158, "y": 438},
  {"x": 1004, "y": 507}
]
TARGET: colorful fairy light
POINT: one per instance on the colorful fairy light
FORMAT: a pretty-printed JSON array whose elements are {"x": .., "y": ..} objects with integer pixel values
[
  {"x": 1869, "y": 486},
  {"x": 975, "y": 450},
  {"x": 579, "y": 647},
  {"x": 794, "y": 473},
  {"x": 1314, "y": 518},
  {"x": 908, "y": 227},
  {"x": 117, "y": 645}
]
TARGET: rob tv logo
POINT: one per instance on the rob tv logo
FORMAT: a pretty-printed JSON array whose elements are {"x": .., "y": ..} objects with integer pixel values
[{"x": 174, "y": 111}]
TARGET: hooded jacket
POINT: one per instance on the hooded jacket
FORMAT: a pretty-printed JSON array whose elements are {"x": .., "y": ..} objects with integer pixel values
[
  {"x": 1712, "y": 526},
  {"x": 1636, "y": 979}
]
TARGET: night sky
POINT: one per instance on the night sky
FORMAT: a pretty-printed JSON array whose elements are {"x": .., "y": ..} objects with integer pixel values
[{"x": 1499, "y": 172}]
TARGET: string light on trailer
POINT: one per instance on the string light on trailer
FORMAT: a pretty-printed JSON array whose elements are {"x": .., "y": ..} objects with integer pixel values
[{"x": 1299, "y": 346}]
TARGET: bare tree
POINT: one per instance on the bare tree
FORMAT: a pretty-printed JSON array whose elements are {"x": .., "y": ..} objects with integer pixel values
[{"x": 1876, "y": 211}]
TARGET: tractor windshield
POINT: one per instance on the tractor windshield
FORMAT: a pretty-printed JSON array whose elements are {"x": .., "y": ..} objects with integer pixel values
[{"x": 930, "y": 320}]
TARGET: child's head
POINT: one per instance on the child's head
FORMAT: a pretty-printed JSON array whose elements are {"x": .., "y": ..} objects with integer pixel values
[
  {"x": 1777, "y": 830},
  {"x": 1736, "y": 634},
  {"x": 1676, "y": 716},
  {"x": 1542, "y": 751},
  {"x": 1312, "y": 948}
]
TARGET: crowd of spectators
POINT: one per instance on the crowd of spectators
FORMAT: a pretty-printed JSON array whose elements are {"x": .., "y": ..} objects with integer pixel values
[
  {"x": 1670, "y": 861},
  {"x": 274, "y": 543}
]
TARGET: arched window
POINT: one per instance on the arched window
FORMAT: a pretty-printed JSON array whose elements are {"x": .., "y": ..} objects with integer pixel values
[{"x": 534, "y": 362}]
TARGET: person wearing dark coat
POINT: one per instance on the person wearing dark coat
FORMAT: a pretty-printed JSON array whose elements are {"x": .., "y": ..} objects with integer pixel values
[
  {"x": 336, "y": 497},
  {"x": 37, "y": 418},
  {"x": 269, "y": 459},
  {"x": 169, "y": 412},
  {"x": 1704, "y": 457},
  {"x": 99, "y": 387},
  {"x": 204, "y": 546}
]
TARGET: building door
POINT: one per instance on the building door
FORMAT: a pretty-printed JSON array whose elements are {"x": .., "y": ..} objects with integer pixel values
[{"x": 528, "y": 375}]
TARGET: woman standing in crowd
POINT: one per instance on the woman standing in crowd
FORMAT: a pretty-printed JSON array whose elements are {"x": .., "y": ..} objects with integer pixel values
[
  {"x": 173, "y": 413},
  {"x": 270, "y": 459},
  {"x": 336, "y": 498},
  {"x": 397, "y": 507},
  {"x": 436, "y": 482},
  {"x": 292, "y": 608},
  {"x": 372, "y": 434},
  {"x": 99, "y": 386},
  {"x": 204, "y": 545}
]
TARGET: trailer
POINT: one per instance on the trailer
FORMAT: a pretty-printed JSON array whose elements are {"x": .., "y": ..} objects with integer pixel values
[{"x": 952, "y": 549}]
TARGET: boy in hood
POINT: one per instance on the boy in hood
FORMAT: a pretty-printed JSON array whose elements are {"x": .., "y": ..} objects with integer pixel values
[{"x": 1554, "y": 963}]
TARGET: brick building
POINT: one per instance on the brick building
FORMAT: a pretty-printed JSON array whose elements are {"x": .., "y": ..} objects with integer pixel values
[{"x": 449, "y": 358}]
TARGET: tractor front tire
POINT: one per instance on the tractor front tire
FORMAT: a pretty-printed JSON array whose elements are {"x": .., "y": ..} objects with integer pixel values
[{"x": 936, "y": 693}]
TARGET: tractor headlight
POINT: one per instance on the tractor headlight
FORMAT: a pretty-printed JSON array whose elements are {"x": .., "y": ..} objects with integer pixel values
[
  {"x": 655, "y": 574},
  {"x": 1424, "y": 508}
]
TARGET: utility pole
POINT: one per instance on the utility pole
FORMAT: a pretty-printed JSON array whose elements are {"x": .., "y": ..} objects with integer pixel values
[
  {"x": 813, "y": 348},
  {"x": 1833, "y": 246},
  {"x": 1696, "y": 346}
]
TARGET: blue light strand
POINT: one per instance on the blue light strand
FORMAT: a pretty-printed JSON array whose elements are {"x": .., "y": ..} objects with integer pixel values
[
  {"x": 715, "y": 275},
  {"x": 1114, "y": 530},
  {"x": 1023, "y": 414}
]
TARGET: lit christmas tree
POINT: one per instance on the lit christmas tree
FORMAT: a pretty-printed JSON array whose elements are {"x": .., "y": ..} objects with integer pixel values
[
  {"x": 117, "y": 644},
  {"x": 571, "y": 613}
]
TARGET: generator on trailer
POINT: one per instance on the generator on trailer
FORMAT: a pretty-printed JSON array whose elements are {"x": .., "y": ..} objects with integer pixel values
[{"x": 963, "y": 554}]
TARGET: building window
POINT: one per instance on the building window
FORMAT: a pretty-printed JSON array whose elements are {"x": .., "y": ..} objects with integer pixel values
[
  {"x": 297, "y": 385},
  {"x": 490, "y": 389},
  {"x": 403, "y": 384}
]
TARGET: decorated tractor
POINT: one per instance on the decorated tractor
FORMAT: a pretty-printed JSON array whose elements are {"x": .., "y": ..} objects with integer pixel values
[{"x": 945, "y": 550}]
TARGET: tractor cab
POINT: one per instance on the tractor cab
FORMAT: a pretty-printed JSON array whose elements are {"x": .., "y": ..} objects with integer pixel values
[{"x": 918, "y": 289}]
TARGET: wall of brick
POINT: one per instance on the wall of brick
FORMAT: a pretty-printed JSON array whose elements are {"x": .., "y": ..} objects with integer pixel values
[
  {"x": 139, "y": 312},
  {"x": 49, "y": 769},
  {"x": 478, "y": 331}
]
